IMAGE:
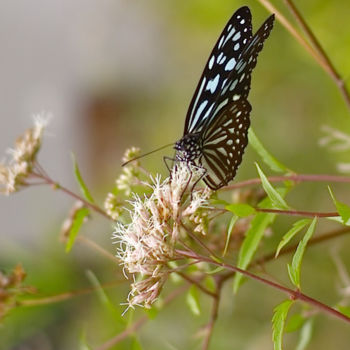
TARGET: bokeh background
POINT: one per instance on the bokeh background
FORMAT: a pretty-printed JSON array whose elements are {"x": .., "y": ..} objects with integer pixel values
[{"x": 120, "y": 73}]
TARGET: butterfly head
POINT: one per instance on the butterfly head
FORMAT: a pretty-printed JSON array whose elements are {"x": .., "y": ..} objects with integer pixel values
[{"x": 188, "y": 148}]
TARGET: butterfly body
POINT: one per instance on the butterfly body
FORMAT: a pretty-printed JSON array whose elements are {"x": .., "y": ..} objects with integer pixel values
[
  {"x": 189, "y": 148},
  {"x": 217, "y": 121}
]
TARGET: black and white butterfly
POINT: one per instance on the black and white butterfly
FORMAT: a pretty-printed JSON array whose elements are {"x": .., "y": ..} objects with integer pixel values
[{"x": 217, "y": 121}]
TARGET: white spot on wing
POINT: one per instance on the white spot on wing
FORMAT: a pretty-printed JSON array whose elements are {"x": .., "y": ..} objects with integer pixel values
[
  {"x": 230, "y": 64},
  {"x": 212, "y": 84},
  {"x": 199, "y": 112},
  {"x": 237, "y": 36},
  {"x": 211, "y": 62},
  {"x": 236, "y": 47}
]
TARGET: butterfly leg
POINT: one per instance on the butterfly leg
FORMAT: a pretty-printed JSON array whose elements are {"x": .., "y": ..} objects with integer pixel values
[{"x": 199, "y": 179}]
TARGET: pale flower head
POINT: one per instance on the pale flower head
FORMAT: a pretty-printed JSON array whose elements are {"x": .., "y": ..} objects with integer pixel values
[
  {"x": 23, "y": 156},
  {"x": 147, "y": 244}
]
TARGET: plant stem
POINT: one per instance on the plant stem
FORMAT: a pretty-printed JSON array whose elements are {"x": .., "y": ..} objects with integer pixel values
[
  {"x": 298, "y": 213},
  {"x": 316, "y": 51},
  {"x": 56, "y": 185},
  {"x": 214, "y": 313},
  {"x": 296, "y": 177},
  {"x": 293, "y": 294},
  {"x": 321, "y": 52}
]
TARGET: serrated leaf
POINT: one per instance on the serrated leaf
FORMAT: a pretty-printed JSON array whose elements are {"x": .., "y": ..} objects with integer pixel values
[
  {"x": 294, "y": 268},
  {"x": 231, "y": 224},
  {"x": 240, "y": 209},
  {"x": 278, "y": 321},
  {"x": 294, "y": 323},
  {"x": 297, "y": 227},
  {"x": 305, "y": 335},
  {"x": 276, "y": 199},
  {"x": 192, "y": 299},
  {"x": 81, "y": 182},
  {"x": 253, "y": 237},
  {"x": 268, "y": 159},
  {"x": 250, "y": 244},
  {"x": 78, "y": 221},
  {"x": 342, "y": 209}
]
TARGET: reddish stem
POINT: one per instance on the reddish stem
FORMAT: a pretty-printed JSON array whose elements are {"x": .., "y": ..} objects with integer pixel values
[{"x": 293, "y": 294}]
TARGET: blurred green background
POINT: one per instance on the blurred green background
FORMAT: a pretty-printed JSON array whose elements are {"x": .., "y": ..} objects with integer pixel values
[{"x": 121, "y": 73}]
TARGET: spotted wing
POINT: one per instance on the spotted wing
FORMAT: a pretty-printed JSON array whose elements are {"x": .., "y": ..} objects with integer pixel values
[
  {"x": 226, "y": 52},
  {"x": 237, "y": 85},
  {"x": 224, "y": 143}
]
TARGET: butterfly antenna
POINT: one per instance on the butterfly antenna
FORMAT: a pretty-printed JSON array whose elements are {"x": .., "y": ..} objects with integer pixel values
[{"x": 146, "y": 154}]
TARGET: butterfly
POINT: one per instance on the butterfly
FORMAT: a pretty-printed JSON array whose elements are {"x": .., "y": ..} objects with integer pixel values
[{"x": 217, "y": 120}]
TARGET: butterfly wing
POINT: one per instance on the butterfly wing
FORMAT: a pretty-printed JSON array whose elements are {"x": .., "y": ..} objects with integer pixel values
[
  {"x": 224, "y": 143},
  {"x": 237, "y": 84},
  {"x": 236, "y": 34}
]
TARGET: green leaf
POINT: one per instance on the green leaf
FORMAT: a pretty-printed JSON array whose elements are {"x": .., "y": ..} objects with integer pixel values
[
  {"x": 192, "y": 299},
  {"x": 253, "y": 237},
  {"x": 294, "y": 268},
  {"x": 215, "y": 201},
  {"x": 268, "y": 159},
  {"x": 78, "y": 221},
  {"x": 345, "y": 310},
  {"x": 297, "y": 227},
  {"x": 276, "y": 199},
  {"x": 278, "y": 321},
  {"x": 81, "y": 182},
  {"x": 231, "y": 224},
  {"x": 135, "y": 343},
  {"x": 240, "y": 209},
  {"x": 104, "y": 299},
  {"x": 305, "y": 335},
  {"x": 342, "y": 209},
  {"x": 294, "y": 323},
  {"x": 250, "y": 244}
]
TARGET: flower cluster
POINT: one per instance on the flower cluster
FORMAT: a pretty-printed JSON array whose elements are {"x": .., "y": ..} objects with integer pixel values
[
  {"x": 146, "y": 245},
  {"x": 14, "y": 173}
]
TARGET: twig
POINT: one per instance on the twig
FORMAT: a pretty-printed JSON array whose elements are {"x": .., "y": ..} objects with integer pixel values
[
  {"x": 321, "y": 52},
  {"x": 95, "y": 246},
  {"x": 296, "y": 178},
  {"x": 56, "y": 185},
  {"x": 311, "y": 214},
  {"x": 293, "y": 294},
  {"x": 322, "y": 60},
  {"x": 286, "y": 250},
  {"x": 65, "y": 296},
  {"x": 197, "y": 284},
  {"x": 213, "y": 314}
]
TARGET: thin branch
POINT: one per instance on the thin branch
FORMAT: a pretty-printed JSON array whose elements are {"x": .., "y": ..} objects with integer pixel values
[
  {"x": 286, "y": 24},
  {"x": 314, "y": 240},
  {"x": 56, "y": 185},
  {"x": 197, "y": 284},
  {"x": 311, "y": 214},
  {"x": 296, "y": 178},
  {"x": 67, "y": 295},
  {"x": 98, "y": 248},
  {"x": 320, "y": 58},
  {"x": 321, "y": 52},
  {"x": 213, "y": 313},
  {"x": 293, "y": 294}
]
